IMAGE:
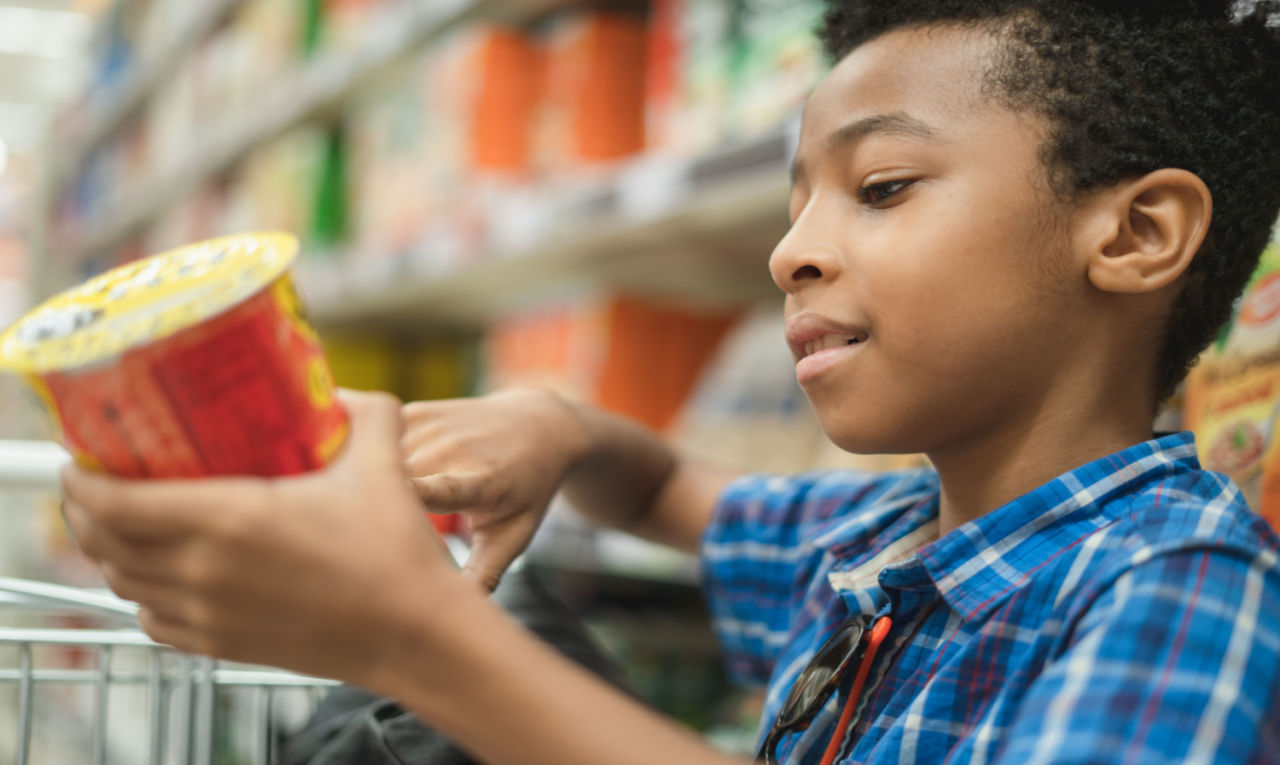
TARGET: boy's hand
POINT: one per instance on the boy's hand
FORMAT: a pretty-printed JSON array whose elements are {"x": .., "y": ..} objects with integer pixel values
[
  {"x": 500, "y": 459},
  {"x": 307, "y": 573}
]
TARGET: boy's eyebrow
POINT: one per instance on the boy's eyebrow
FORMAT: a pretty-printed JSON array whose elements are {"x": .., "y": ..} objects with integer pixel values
[{"x": 896, "y": 123}]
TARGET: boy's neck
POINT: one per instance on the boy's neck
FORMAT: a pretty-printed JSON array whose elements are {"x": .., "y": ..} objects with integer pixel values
[{"x": 987, "y": 472}]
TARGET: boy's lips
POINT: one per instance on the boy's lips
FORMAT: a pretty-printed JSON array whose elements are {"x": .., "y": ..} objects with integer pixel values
[
  {"x": 818, "y": 342},
  {"x": 810, "y": 333}
]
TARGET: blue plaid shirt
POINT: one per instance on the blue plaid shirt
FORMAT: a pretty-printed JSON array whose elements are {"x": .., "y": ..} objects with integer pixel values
[{"x": 1127, "y": 611}]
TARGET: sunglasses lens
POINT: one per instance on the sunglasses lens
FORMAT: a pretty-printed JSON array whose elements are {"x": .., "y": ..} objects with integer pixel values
[
  {"x": 811, "y": 687},
  {"x": 816, "y": 682}
]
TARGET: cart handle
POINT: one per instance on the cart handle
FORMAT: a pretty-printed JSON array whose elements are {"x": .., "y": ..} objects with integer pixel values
[
  {"x": 24, "y": 592},
  {"x": 31, "y": 464}
]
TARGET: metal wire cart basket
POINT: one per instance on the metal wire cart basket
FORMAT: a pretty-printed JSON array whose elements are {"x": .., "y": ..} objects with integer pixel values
[{"x": 80, "y": 683}]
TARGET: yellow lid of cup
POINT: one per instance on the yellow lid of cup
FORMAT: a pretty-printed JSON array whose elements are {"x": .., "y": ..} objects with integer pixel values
[{"x": 144, "y": 301}]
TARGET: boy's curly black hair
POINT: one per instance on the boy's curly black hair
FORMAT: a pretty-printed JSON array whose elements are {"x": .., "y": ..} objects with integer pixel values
[{"x": 1130, "y": 87}]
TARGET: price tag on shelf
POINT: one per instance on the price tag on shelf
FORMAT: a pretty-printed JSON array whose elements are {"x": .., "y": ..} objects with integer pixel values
[
  {"x": 652, "y": 187},
  {"x": 521, "y": 219},
  {"x": 440, "y": 252}
]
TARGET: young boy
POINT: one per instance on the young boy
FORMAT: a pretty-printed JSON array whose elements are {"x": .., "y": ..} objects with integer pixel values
[{"x": 1015, "y": 226}]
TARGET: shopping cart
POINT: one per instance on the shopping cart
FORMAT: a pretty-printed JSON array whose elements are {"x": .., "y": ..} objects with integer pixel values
[{"x": 85, "y": 685}]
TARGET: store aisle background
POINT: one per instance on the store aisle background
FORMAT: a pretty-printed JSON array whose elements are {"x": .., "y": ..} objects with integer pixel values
[
  {"x": 489, "y": 192},
  {"x": 44, "y": 62}
]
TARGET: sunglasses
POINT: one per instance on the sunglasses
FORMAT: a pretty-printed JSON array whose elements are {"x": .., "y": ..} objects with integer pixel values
[{"x": 854, "y": 644}]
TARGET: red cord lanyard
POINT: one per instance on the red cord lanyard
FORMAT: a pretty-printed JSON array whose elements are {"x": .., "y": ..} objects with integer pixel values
[{"x": 878, "y": 634}]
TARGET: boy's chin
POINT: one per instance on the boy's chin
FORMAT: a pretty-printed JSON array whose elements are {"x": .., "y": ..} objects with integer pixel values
[{"x": 866, "y": 441}]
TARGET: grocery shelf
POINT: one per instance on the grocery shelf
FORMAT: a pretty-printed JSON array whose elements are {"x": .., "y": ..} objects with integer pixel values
[
  {"x": 319, "y": 89},
  {"x": 103, "y": 122},
  {"x": 696, "y": 232}
]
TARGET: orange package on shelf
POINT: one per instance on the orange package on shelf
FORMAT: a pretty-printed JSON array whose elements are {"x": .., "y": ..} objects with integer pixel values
[
  {"x": 655, "y": 358},
  {"x": 555, "y": 347},
  {"x": 624, "y": 354},
  {"x": 513, "y": 68},
  {"x": 597, "y": 82},
  {"x": 662, "y": 89}
]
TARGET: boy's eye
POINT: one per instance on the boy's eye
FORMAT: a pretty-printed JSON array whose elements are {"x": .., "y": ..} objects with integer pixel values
[{"x": 878, "y": 193}]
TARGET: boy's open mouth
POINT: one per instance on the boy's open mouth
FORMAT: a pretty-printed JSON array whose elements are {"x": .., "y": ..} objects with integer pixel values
[
  {"x": 832, "y": 341},
  {"x": 811, "y": 334}
]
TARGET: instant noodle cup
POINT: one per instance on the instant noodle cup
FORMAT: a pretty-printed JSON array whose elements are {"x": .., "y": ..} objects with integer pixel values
[{"x": 195, "y": 362}]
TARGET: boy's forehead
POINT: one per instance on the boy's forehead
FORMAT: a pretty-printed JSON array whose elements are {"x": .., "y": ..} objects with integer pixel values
[{"x": 932, "y": 73}]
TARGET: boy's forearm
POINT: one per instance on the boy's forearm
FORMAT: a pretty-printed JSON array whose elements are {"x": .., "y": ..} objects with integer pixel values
[
  {"x": 505, "y": 697},
  {"x": 620, "y": 469},
  {"x": 627, "y": 477}
]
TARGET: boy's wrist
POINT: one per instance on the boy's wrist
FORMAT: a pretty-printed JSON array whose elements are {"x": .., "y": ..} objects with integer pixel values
[
  {"x": 424, "y": 636},
  {"x": 568, "y": 425}
]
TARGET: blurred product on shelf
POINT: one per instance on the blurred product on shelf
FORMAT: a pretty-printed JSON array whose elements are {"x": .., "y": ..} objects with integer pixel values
[
  {"x": 115, "y": 60},
  {"x": 415, "y": 369},
  {"x": 340, "y": 25},
  {"x": 362, "y": 362},
  {"x": 631, "y": 356},
  {"x": 512, "y": 80},
  {"x": 655, "y": 357},
  {"x": 1233, "y": 395},
  {"x": 727, "y": 70},
  {"x": 775, "y": 63},
  {"x": 277, "y": 186},
  {"x": 20, "y": 416},
  {"x": 560, "y": 348},
  {"x": 328, "y": 224},
  {"x": 594, "y": 109},
  {"x": 15, "y": 266},
  {"x": 662, "y": 80},
  {"x": 269, "y": 37},
  {"x": 440, "y": 367},
  {"x": 472, "y": 146},
  {"x": 393, "y": 171},
  {"x": 690, "y": 117},
  {"x": 423, "y": 141}
]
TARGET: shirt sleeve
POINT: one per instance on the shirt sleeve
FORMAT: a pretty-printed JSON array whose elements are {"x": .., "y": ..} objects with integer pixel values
[
  {"x": 758, "y": 558},
  {"x": 1177, "y": 661}
]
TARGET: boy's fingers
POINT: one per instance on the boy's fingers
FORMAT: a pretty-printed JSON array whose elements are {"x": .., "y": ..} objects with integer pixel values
[
  {"x": 151, "y": 508},
  {"x": 452, "y": 491},
  {"x": 93, "y": 539},
  {"x": 168, "y": 631},
  {"x": 161, "y": 597},
  {"x": 164, "y": 508},
  {"x": 376, "y": 423},
  {"x": 156, "y": 560}
]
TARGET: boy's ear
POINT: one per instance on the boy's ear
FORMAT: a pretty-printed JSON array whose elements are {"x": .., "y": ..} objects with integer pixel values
[{"x": 1142, "y": 234}]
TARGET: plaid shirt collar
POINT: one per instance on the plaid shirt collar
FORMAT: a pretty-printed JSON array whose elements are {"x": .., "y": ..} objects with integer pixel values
[{"x": 979, "y": 564}]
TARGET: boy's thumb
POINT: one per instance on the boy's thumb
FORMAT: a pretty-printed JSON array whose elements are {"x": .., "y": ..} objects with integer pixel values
[
  {"x": 493, "y": 549},
  {"x": 487, "y": 563},
  {"x": 375, "y": 420}
]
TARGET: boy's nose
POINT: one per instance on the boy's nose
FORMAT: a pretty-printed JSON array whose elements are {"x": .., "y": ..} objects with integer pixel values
[{"x": 793, "y": 265}]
